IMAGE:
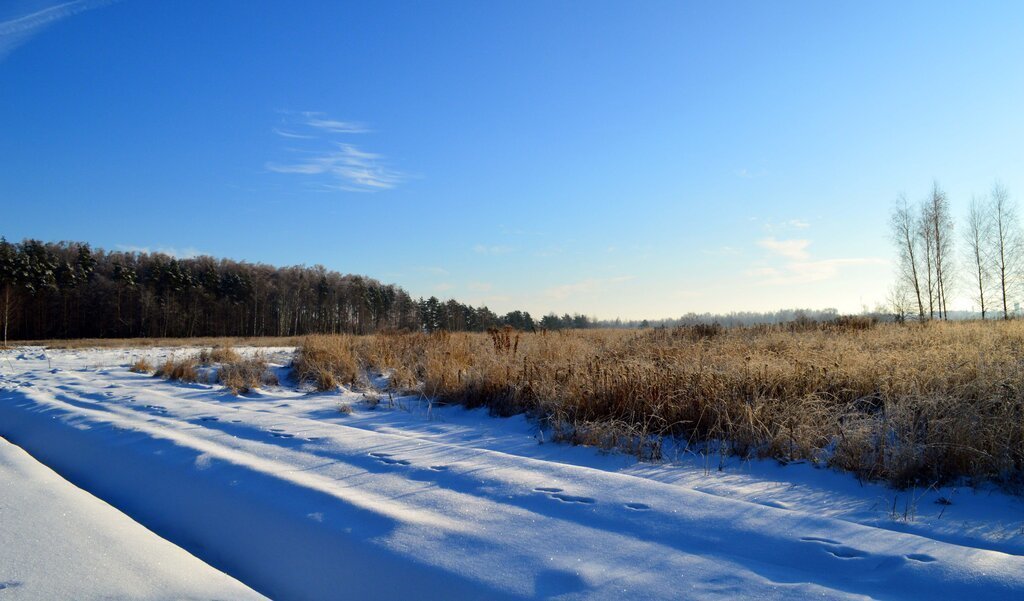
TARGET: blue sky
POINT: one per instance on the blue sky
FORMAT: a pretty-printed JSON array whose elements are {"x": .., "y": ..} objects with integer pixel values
[{"x": 612, "y": 158}]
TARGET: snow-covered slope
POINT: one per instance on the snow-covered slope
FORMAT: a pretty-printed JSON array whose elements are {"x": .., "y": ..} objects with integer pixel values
[
  {"x": 301, "y": 501},
  {"x": 59, "y": 542}
]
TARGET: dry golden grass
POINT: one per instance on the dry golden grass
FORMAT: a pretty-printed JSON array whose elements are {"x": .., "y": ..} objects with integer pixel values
[
  {"x": 219, "y": 354},
  {"x": 327, "y": 361},
  {"x": 911, "y": 404},
  {"x": 141, "y": 366},
  {"x": 245, "y": 375},
  {"x": 182, "y": 370},
  {"x": 239, "y": 374}
]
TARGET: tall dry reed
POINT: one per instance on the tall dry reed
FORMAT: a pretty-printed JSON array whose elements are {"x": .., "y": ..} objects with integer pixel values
[{"x": 910, "y": 404}]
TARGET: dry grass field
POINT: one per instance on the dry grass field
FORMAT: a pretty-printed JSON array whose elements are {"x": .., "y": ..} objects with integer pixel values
[{"x": 913, "y": 404}]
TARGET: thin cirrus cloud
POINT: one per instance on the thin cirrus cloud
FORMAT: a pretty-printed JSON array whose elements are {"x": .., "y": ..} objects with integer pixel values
[
  {"x": 806, "y": 272},
  {"x": 318, "y": 121},
  {"x": 587, "y": 286},
  {"x": 483, "y": 249},
  {"x": 791, "y": 249},
  {"x": 322, "y": 151},
  {"x": 798, "y": 267},
  {"x": 17, "y": 29},
  {"x": 288, "y": 134}
]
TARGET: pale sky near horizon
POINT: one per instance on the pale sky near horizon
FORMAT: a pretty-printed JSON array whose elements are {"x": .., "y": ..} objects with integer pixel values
[{"x": 618, "y": 159}]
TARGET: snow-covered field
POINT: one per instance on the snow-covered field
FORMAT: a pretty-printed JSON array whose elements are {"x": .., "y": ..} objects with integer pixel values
[{"x": 297, "y": 499}]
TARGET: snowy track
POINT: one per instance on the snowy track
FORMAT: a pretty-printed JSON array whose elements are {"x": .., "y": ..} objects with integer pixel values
[{"x": 278, "y": 491}]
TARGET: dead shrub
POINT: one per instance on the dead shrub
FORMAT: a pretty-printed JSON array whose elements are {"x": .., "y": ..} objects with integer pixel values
[
  {"x": 141, "y": 366},
  {"x": 243, "y": 375},
  {"x": 182, "y": 370}
]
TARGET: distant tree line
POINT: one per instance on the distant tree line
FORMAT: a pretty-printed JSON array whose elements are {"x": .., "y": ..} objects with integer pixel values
[
  {"x": 929, "y": 269},
  {"x": 728, "y": 320},
  {"x": 70, "y": 290}
]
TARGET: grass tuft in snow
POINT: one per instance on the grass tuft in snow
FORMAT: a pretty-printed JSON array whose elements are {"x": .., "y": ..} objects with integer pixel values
[
  {"x": 245, "y": 375},
  {"x": 219, "y": 354},
  {"x": 182, "y": 370}
]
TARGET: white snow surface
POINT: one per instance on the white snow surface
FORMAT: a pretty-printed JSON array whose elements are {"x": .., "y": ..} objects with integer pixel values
[
  {"x": 59, "y": 542},
  {"x": 299, "y": 500}
]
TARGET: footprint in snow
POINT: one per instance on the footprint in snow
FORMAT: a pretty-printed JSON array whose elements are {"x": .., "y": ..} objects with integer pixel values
[
  {"x": 388, "y": 459},
  {"x": 815, "y": 539},
  {"x": 209, "y": 418},
  {"x": 847, "y": 552},
  {"x": 558, "y": 495},
  {"x": 922, "y": 557},
  {"x": 439, "y": 468},
  {"x": 637, "y": 506},
  {"x": 836, "y": 548}
]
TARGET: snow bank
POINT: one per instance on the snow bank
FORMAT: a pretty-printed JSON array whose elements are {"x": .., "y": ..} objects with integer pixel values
[{"x": 59, "y": 542}]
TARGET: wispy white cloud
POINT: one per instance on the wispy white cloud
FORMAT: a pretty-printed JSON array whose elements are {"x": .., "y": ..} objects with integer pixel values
[
  {"x": 791, "y": 249},
  {"x": 805, "y": 272},
  {"x": 178, "y": 253},
  {"x": 483, "y": 249},
  {"x": 587, "y": 286},
  {"x": 288, "y": 134},
  {"x": 745, "y": 173},
  {"x": 18, "y": 29},
  {"x": 335, "y": 164},
  {"x": 351, "y": 169},
  {"x": 793, "y": 264},
  {"x": 320, "y": 121},
  {"x": 480, "y": 286}
]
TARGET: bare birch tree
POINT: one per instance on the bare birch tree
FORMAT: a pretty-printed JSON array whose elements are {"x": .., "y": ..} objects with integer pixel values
[
  {"x": 937, "y": 224},
  {"x": 905, "y": 235},
  {"x": 977, "y": 236},
  {"x": 1005, "y": 244},
  {"x": 926, "y": 234}
]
